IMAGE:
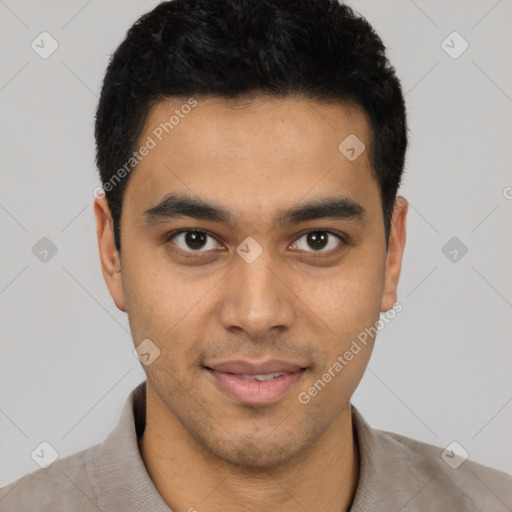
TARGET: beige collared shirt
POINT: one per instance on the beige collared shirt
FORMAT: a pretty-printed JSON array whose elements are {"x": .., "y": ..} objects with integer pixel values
[{"x": 396, "y": 474}]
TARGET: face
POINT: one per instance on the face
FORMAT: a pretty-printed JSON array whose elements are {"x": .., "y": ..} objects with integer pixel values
[{"x": 251, "y": 296}]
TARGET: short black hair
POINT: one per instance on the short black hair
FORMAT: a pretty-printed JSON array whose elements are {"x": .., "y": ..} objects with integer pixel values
[{"x": 319, "y": 49}]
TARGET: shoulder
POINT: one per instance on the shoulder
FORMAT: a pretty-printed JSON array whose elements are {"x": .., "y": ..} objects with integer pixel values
[
  {"x": 62, "y": 486},
  {"x": 454, "y": 477},
  {"x": 108, "y": 474},
  {"x": 400, "y": 473}
]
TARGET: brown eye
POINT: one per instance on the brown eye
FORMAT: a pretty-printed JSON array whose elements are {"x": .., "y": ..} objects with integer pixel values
[
  {"x": 193, "y": 240},
  {"x": 319, "y": 240}
]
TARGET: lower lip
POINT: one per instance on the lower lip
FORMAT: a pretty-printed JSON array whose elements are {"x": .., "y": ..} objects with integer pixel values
[{"x": 254, "y": 391}]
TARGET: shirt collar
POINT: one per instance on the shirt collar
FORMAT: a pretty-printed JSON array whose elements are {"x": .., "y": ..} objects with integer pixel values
[
  {"x": 388, "y": 471},
  {"x": 116, "y": 469}
]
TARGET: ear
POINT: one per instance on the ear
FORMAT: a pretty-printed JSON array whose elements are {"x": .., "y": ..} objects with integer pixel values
[
  {"x": 396, "y": 248},
  {"x": 109, "y": 256}
]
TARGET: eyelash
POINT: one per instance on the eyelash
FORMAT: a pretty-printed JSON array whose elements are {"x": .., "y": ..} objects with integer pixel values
[{"x": 344, "y": 240}]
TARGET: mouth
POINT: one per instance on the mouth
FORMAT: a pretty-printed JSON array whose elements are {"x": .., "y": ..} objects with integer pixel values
[{"x": 255, "y": 383}]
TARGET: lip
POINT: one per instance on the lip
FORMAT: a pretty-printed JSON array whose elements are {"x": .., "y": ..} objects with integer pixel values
[
  {"x": 246, "y": 367},
  {"x": 228, "y": 376}
]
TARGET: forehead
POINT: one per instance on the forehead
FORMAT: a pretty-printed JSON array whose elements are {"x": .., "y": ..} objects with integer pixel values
[
  {"x": 256, "y": 154},
  {"x": 228, "y": 123}
]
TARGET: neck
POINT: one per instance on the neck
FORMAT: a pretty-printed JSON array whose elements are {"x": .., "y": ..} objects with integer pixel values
[{"x": 190, "y": 478}]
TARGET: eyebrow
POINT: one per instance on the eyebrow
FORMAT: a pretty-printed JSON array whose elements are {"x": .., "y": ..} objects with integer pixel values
[{"x": 174, "y": 206}]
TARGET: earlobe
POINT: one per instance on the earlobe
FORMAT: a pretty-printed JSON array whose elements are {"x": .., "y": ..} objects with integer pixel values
[
  {"x": 109, "y": 256},
  {"x": 395, "y": 253}
]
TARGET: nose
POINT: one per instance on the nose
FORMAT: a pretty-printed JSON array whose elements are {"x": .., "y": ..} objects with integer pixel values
[{"x": 256, "y": 297}]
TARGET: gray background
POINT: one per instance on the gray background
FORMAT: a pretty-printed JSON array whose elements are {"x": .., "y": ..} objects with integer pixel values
[{"x": 441, "y": 371}]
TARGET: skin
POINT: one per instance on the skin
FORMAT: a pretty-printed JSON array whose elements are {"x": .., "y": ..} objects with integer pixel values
[{"x": 254, "y": 157}]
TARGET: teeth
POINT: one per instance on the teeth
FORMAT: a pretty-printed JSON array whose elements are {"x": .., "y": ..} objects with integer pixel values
[{"x": 264, "y": 377}]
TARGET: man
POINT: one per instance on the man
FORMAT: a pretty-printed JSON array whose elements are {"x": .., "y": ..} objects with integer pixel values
[{"x": 250, "y": 153}]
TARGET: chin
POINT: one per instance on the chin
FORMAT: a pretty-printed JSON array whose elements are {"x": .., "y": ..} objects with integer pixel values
[
  {"x": 257, "y": 457},
  {"x": 256, "y": 452}
]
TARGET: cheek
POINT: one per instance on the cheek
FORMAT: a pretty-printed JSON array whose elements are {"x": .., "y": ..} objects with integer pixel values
[
  {"x": 150, "y": 288},
  {"x": 166, "y": 308},
  {"x": 163, "y": 303},
  {"x": 350, "y": 300}
]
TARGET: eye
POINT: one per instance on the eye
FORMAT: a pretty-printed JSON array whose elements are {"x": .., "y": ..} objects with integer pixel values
[
  {"x": 314, "y": 241},
  {"x": 193, "y": 240},
  {"x": 318, "y": 240}
]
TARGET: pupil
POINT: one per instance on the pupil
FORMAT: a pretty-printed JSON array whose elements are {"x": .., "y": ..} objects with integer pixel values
[
  {"x": 195, "y": 239},
  {"x": 317, "y": 239}
]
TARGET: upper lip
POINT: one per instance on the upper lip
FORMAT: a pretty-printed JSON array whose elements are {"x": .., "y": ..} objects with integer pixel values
[{"x": 245, "y": 367}]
